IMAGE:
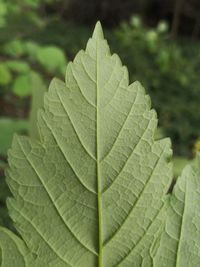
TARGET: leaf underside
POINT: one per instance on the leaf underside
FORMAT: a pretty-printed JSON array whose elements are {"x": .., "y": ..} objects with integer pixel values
[
  {"x": 180, "y": 241},
  {"x": 91, "y": 192}
]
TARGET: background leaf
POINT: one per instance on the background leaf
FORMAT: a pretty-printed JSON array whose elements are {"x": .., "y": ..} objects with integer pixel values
[
  {"x": 18, "y": 66},
  {"x": 5, "y": 75},
  {"x": 7, "y": 128},
  {"x": 24, "y": 84},
  {"x": 180, "y": 242},
  {"x": 51, "y": 57},
  {"x": 21, "y": 86}
]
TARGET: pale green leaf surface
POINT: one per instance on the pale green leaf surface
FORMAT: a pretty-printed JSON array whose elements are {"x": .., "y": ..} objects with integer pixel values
[
  {"x": 12, "y": 249},
  {"x": 90, "y": 193},
  {"x": 180, "y": 242}
]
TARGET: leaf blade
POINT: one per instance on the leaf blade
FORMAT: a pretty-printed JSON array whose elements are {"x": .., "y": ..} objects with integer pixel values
[
  {"x": 179, "y": 244},
  {"x": 9, "y": 242},
  {"x": 93, "y": 196}
]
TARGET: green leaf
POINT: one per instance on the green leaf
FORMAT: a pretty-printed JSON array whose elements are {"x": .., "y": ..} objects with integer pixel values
[
  {"x": 12, "y": 249},
  {"x": 14, "y": 48},
  {"x": 91, "y": 191},
  {"x": 180, "y": 242},
  {"x": 3, "y": 9},
  {"x": 31, "y": 48},
  {"x": 21, "y": 86},
  {"x": 18, "y": 66},
  {"x": 5, "y": 75},
  {"x": 24, "y": 84},
  {"x": 7, "y": 129},
  {"x": 51, "y": 57}
]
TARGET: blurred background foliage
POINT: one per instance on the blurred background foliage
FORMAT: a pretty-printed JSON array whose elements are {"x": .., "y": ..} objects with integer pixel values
[{"x": 157, "y": 40}]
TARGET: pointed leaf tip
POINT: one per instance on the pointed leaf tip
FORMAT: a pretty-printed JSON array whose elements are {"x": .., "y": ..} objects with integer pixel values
[{"x": 98, "y": 31}]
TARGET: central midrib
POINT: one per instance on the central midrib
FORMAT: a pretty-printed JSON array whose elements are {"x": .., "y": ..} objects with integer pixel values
[{"x": 97, "y": 157}]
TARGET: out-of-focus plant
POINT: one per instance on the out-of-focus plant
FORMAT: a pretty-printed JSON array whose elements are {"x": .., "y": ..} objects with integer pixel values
[
  {"x": 178, "y": 164},
  {"x": 196, "y": 146},
  {"x": 22, "y": 59},
  {"x": 170, "y": 74},
  {"x": 7, "y": 128}
]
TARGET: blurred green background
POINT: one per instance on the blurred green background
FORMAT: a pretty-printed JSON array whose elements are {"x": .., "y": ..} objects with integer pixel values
[{"x": 159, "y": 41}]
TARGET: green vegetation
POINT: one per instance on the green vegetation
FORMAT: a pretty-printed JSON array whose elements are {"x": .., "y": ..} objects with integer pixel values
[{"x": 92, "y": 190}]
